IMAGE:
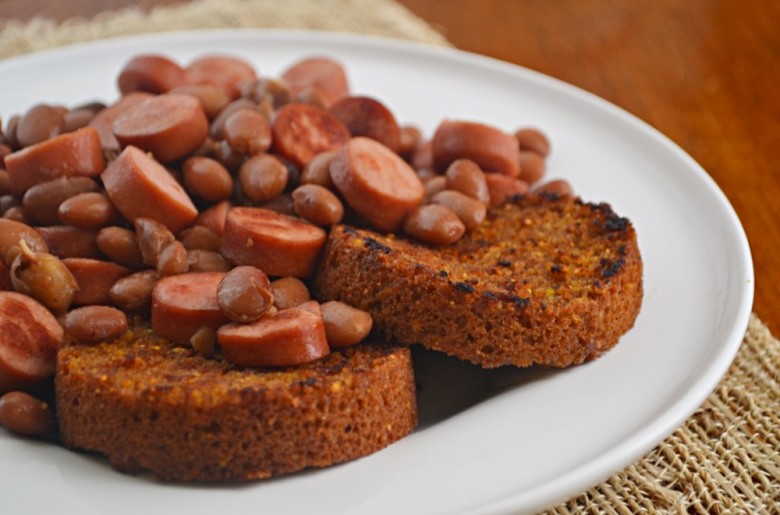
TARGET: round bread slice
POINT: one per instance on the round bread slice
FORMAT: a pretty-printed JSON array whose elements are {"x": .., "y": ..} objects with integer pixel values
[
  {"x": 544, "y": 280},
  {"x": 152, "y": 406}
]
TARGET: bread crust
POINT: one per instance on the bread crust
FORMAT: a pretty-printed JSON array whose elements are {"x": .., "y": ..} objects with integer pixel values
[
  {"x": 152, "y": 406},
  {"x": 544, "y": 280}
]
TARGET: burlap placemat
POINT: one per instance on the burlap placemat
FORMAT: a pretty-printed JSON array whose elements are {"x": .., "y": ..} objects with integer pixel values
[{"x": 724, "y": 459}]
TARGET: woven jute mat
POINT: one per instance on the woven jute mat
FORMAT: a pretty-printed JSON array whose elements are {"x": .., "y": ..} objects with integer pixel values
[{"x": 724, "y": 459}]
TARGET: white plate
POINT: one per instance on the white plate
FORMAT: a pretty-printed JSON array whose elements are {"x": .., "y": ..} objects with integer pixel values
[{"x": 505, "y": 441}]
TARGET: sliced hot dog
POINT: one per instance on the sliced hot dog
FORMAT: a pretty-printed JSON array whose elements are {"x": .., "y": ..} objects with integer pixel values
[
  {"x": 492, "y": 149},
  {"x": 76, "y": 153},
  {"x": 169, "y": 126},
  {"x": 325, "y": 75},
  {"x": 139, "y": 187},
  {"x": 301, "y": 131},
  {"x": 150, "y": 72},
  {"x": 103, "y": 121},
  {"x": 377, "y": 183},
  {"x": 11, "y": 232},
  {"x": 288, "y": 337},
  {"x": 183, "y": 304},
  {"x": 277, "y": 244},
  {"x": 29, "y": 337},
  {"x": 95, "y": 278},
  {"x": 365, "y": 116},
  {"x": 224, "y": 71}
]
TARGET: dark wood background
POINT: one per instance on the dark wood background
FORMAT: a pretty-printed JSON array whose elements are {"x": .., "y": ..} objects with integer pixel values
[{"x": 704, "y": 72}]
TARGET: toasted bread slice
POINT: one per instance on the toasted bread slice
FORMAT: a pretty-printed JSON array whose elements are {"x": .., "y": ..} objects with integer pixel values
[
  {"x": 149, "y": 405},
  {"x": 544, "y": 280}
]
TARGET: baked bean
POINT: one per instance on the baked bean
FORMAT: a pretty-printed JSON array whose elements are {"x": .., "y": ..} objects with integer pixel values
[
  {"x": 40, "y": 123},
  {"x": 434, "y": 185},
  {"x": 120, "y": 245},
  {"x": 207, "y": 179},
  {"x": 247, "y": 131},
  {"x": 153, "y": 237},
  {"x": 95, "y": 278},
  {"x": 42, "y": 201},
  {"x": 282, "y": 204},
  {"x": 5, "y": 181},
  {"x": 470, "y": 211},
  {"x": 24, "y": 414},
  {"x": 10, "y": 131},
  {"x": 4, "y": 150},
  {"x": 212, "y": 98},
  {"x": 200, "y": 260},
  {"x": 262, "y": 177},
  {"x": 7, "y": 202},
  {"x": 90, "y": 210},
  {"x": 244, "y": 294},
  {"x": 17, "y": 214},
  {"x": 199, "y": 237},
  {"x": 218, "y": 124},
  {"x": 317, "y": 204},
  {"x": 532, "y": 166},
  {"x": 317, "y": 171},
  {"x": 466, "y": 176},
  {"x": 172, "y": 260},
  {"x": 275, "y": 92},
  {"x": 224, "y": 71},
  {"x": 12, "y": 232},
  {"x": 533, "y": 140},
  {"x": 92, "y": 324},
  {"x": 76, "y": 119},
  {"x": 503, "y": 188},
  {"x": 43, "y": 277},
  {"x": 134, "y": 292},
  {"x": 65, "y": 241},
  {"x": 204, "y": 341},
  {"x": 344, "y": 324},
  {"x": 435, "y": 224},
  {"x": 225, "y": 154},
  {"x": 409, "y": 139},
  {"x": 289, "y": 292},
  {"x": 560, "y": 187}
]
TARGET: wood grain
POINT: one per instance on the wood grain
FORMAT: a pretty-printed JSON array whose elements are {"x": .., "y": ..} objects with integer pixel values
[{"x": 703, "y": 72}]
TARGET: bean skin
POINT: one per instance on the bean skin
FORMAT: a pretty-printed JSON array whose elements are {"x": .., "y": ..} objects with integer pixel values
[{"x": 172, "y": 260}]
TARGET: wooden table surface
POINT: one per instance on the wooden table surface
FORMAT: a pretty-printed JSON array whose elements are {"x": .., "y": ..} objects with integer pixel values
[{"x": 706, "y": 73}]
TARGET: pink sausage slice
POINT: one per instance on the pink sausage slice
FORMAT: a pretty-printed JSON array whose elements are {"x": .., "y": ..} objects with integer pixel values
[
  {"x": 76, "y": 153},
  {"x": 150, "y": 72},
  {"x": 324, "y": 75},
  {"x": 288, "y": 337},
  {"x": 277, "y": 244},
  {"x": 224, "y": 71},
  {"x": 95, "y": 278},
  {"x": 376, "y": 182},
  {"x": 183, "y": 304},
  {"x": 29, "y": 337},
  {"x": 139, "y": 187},
  {"x": 365, "y": 116},
  {"x": 103, "y": 121},
  {"x": 492, "y": 149},
  {"x": 169, "y": 126},
  {"x": 301, "y": 131}
]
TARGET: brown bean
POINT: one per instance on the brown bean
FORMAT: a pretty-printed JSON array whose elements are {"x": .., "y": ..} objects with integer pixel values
[
  {"x": 409, "y": 139},
  {"x": 470, "y": 211},
  {"x": 344, "y": 324},
  {"x": 10, "y": 132},
  {"x": 317, "y": 204},
  {"x": 244, "y": 294},
  {"x": 503, "y": 188},
  {"x": 5, "y": 181},
  {"x": 533, "y": 140},
  {"x": 149, "y": 72},
  {"x": 435, "y": 224},
  {"x": 95, "y": 278},
  {"x": 207, "y": 179},
  {"x": 43, "y": 277},
  {"x": 282, "y": 204},
  {"x": 289, "y": 292},
  {"x": 17, "y": 214},
  {"x": 153, "y": 237},
  {"x": 228, "y": 157},
  {"x": 217, "y": 127},
  {"x": 466, "y": 176},
  {"x": 317, "y": 171},
  {"x": 204, "y": 341},
  {"x": 199, "y": 237},
  {"x": 213, "y": 217},
  {"x": 90, "y": 210},
  {"x": 65, "y": 241},
  {"x": 434, "y": 185},
  {"x": 172, "y": 260},
  {"x": 120, "y": 245},
  {"x": 92, "y": 324},
  {"x": 76, "y": 119},
  {"x": 532, "y": 166},
  {"x": 264, "y": 90},
  {"x": 212, "y": 98},
  {"x": 42, "y": 201},
  {"x": 9, "y": 201},
  {"x": 11, "y": 233},
  {"x": 247, "y": 131},
  {"x": 40, "y": 123},
  {"x": 23, "y": 414},
  {"x": 200, "y": 260},
  {"x": 262, "y": 177},
  {"x": 559, "y": 187},
  {"x": 134, "y": 292}
]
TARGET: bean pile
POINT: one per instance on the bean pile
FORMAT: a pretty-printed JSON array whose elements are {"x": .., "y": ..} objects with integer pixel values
[{"x": 201, "y": 199}]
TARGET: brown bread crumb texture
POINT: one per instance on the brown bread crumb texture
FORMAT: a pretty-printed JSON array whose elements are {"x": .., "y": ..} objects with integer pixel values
[
  {"x": 149, "y": 405},
  {"x": 544, "y": 280}
]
